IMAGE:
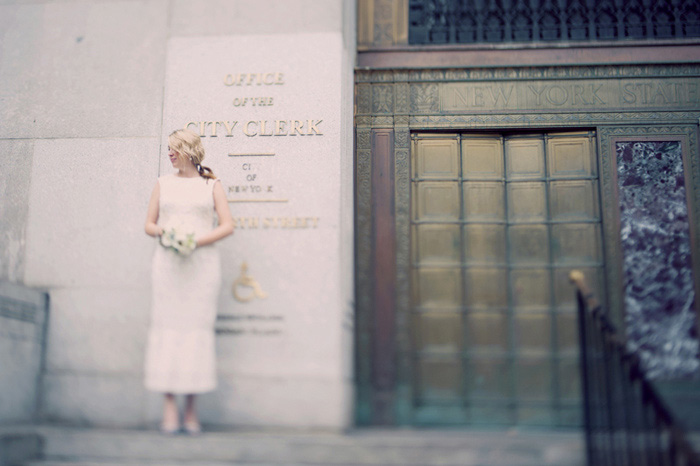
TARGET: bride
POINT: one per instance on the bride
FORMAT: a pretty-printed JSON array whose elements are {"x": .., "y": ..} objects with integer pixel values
[{"x": 186, "y": 277}]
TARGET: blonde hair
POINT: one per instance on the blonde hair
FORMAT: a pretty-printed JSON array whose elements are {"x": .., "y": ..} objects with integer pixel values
[{"x": 187, "y": 144}]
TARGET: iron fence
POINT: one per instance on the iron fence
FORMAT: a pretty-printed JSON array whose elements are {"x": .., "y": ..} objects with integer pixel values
[{"x": 627, "y": 423}]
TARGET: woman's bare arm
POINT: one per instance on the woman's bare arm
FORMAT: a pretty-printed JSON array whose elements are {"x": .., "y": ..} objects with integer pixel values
[
  {"x": 152, "y": 228},
  {"x": 225, "y": 227}
]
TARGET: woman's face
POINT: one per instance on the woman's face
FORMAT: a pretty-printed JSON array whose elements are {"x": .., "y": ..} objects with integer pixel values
[{"x": 175, "y": 158}]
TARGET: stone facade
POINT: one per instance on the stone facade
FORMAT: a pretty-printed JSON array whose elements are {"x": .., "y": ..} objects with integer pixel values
[
  {"x": 23, "y": 321},
  {"x": 83, "y": 123}
]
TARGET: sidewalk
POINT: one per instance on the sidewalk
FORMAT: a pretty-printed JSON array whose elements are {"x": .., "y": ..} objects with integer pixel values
[{"x": 67, "y": 446}]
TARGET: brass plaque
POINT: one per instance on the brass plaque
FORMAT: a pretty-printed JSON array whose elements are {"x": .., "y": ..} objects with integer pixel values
[{"x": 245, "y": 288}]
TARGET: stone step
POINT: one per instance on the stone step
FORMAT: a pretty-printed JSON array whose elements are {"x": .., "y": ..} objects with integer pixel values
[
  {"x": 99, "y": 462},
  {"x": 64, "y": 446}
]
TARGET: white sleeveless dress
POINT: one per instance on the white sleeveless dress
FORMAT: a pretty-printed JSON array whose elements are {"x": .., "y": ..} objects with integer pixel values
[{"x": 180, "y": 352}]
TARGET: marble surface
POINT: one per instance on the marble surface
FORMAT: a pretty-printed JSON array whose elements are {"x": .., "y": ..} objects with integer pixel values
[
  {"x": 82, "y": 69},
  {"x": 87, "y": 204},
  {"x": 16, "y": 155},
  {"x": 221, "y": 17},
  {"x": 89, "y": 91},
  {"x": 659, "y": 292},
  {"x": 284, "y": 355}
]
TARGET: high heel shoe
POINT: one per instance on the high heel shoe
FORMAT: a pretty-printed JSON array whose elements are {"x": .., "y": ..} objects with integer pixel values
[{"x": 192, "y": 428}]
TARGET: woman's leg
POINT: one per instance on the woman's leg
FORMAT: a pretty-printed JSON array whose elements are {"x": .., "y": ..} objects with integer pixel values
[
  {"x": 190, "y": 421},
  {"x": 171, "y": 421}
]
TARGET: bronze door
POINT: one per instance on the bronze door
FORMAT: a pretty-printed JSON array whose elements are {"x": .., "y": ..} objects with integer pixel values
[{"x": 497, "y": 222}]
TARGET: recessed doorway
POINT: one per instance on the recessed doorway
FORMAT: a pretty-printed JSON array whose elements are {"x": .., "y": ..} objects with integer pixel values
[{"x": 497, "y": 223}]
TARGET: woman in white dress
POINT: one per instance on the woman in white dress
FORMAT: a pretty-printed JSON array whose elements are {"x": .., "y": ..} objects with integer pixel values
[{"x": 186, "y": 278}]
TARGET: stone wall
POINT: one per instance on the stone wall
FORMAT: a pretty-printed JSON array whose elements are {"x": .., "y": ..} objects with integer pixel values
[
  {"x": 23, "y": 317},
  {"x": 82, "y": 88}
]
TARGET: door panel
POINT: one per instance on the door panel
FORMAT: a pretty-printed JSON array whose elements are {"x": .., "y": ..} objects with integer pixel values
[
  {"x": 438, "y": 201},
  {"x": 436, "y": 159},
  {"x": 482, "y": 158},
  {"x": 524, "y": 158},
  {"x": 483, "y": 201},
  {"x": 573, "y": 200},
  {"x": 571, "y": 157},
  {"x": 498, "y": 223},
  {"x": 483, "y": 244},
  {"x": 526, "y": 202}
]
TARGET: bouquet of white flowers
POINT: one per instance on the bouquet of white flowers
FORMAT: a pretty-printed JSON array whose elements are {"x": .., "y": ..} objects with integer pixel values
[{"x": 182, "y": 243}]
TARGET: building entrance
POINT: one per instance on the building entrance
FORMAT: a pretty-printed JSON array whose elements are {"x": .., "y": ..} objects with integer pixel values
[{"x": 497, "y": 223}]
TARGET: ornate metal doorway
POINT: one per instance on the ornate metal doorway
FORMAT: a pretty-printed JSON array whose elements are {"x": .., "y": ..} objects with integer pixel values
[
  {"x": 452, "y": 328},
  {"x": 497, "y": 222}
]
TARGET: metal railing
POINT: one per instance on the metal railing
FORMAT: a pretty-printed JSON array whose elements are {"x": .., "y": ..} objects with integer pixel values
[{"x": 626, "y": 422}]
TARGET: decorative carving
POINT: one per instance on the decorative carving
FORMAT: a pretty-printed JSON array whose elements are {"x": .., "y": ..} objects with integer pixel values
[
  {"x": 401, "y": 120},
  {"x": 382, "y": 98},
  {"x": 382, "y": 121},
  {"x": 383, "y": 22},
  {"x": 402, "y": 137},
  {"x": 520, "y": 73},
  {"x": 363, "y": 98},
  {"x": 403, "y": 97},
  {"x": 424, "y": 98},
  {"x": 491, "y": 21},
  {"x": 401, "y": 75},
  {"x": 563, "y": 119},
  {"x": 363, "y": 140},
  {"x": 382, "y": 76},
  {"x": 363, "y": 121}
]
